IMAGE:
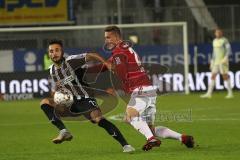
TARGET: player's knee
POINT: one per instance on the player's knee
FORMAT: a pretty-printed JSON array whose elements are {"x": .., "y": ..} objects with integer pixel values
[
  {"x": 225, "y": 76},
  {"x": 96, "y": 116},
  {"x": 97, "y": 120},
  {"x": 213, "y": 76},
  {"x": 131, "y": 113},
  {"x": 45, "y": 101}
]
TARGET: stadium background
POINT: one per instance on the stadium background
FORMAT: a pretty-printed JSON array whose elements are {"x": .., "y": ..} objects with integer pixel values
[{"x": 22, "y": 75}]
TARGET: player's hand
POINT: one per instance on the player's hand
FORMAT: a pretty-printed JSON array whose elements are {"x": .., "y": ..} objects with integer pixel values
[
  {"x": 109, "y": 66},
  {"x": 224, "y": 61},
  {"x": 211, "y": 65}
]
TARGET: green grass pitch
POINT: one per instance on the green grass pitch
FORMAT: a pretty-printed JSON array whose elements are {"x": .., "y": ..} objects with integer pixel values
[{"x": 25, "y": 133}]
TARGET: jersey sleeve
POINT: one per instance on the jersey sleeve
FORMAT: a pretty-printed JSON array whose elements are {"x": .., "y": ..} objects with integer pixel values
[
  {"x": 227, "y": 47},
  {"x": 51, "y": 79},
  {"x": 76, "y": 61}
]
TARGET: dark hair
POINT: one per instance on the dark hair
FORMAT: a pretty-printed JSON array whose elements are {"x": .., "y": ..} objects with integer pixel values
[
  {"x": 55, "y": 41},
  {"x": 113, "y": 29}
]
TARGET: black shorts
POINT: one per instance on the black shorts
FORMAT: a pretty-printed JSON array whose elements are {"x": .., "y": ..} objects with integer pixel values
[{"x": 83, "y": 105}]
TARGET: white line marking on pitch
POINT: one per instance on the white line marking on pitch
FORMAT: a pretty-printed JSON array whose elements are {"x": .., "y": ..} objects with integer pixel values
[{"x": 119, "y": 117}]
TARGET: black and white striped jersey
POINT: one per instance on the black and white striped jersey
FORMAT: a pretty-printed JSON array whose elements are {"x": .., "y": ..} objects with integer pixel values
[{"x": 71, "y": 74}]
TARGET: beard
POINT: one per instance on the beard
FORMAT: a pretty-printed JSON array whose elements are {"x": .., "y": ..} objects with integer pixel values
[{"x": 57, "y": 60}]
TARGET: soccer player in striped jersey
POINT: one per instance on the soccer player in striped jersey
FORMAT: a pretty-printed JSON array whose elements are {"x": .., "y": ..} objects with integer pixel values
[
  {"x": 67, "y": 73},
  {"x": 220, "y": 63}
]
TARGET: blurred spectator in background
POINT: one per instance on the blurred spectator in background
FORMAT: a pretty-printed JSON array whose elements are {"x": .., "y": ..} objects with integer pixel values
[{"x": 46, "y": 61}]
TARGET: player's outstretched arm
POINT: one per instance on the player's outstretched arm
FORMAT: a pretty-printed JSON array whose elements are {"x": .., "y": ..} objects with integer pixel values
[
  {"x": 97, "y": 57},
  {"x": 94, "y": 57}
]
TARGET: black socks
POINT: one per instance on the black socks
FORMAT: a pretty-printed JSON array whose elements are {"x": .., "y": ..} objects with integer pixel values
[
  {"x": 49, "y": 111},
  {"x": 113, "y": 131}
]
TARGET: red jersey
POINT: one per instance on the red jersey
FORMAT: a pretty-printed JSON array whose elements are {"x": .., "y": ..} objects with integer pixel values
[{"x": 128, "y": 68}]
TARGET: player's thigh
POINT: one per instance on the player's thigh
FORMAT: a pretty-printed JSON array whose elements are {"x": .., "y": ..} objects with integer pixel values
[
  {"x": 144, "y": 107},
  {"x": 84, "y": 105},
  {"x": 215, "y": 69},
  {"x": 150, "y": 112},
  {"x": 89, "y": 108},
  {"x": 224, "y": 69},
  {"x": 136, "y": 106}
]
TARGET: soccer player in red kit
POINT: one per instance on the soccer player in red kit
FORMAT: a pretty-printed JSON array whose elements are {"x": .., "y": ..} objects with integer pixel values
[{"x": 141, "y": 109}]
